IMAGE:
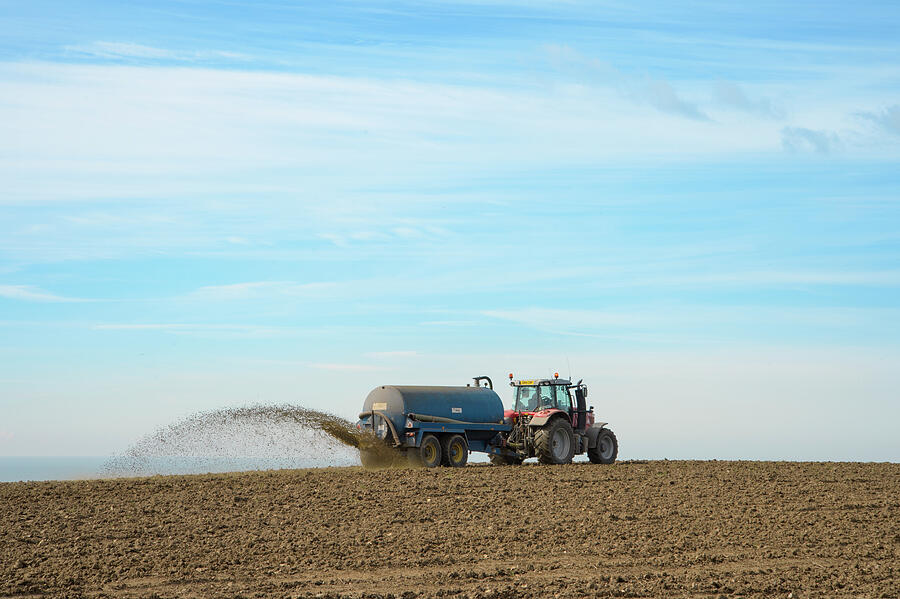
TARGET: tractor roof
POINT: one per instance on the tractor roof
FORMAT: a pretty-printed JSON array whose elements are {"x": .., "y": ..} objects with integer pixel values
[{"x": 533, "y": 382}]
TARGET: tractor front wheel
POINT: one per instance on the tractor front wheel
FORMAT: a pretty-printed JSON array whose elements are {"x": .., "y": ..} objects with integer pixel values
[
  {"x": 555, "y": 442},
  {"x": 606, "y": 450}
]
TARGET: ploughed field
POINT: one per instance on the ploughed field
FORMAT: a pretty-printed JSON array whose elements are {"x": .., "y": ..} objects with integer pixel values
[{"x": 634, "y": 529}]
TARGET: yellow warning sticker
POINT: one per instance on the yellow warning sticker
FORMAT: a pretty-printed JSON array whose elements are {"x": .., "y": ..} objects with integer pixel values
[{"x": 380, "y": 405}]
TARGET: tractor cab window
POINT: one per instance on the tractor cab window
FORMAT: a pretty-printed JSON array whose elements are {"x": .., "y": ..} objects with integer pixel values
[
  {"x": 547, "y": 399},
  {"x": 526, "y": 399},
  {"x": 563, "y": 401}
]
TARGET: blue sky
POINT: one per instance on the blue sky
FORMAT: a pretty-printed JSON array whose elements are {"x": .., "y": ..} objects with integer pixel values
[{"x": 695, "y": 208}]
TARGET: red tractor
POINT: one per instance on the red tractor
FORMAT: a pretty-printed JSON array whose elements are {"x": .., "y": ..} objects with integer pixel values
[{"x": 550, "y": 420}]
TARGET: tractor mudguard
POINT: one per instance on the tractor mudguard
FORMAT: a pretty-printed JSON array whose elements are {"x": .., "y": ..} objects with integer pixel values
[
  {"x": 543, "y": 417},
  {"x": 593, "y": 433}
]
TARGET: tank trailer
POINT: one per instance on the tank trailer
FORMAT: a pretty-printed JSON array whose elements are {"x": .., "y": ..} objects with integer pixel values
[{"x": 440, "y": 426}]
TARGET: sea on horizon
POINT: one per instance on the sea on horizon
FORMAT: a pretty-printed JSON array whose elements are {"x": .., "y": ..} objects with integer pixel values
[{"x": 47, "y": 468}]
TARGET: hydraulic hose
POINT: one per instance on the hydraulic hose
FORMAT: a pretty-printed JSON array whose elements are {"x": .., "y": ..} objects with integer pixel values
[
  {"x": 390, "y": 424},
  {"x": 427, "y": 418}
]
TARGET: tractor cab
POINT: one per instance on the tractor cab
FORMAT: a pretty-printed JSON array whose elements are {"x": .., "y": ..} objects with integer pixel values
[{"x": 546, "y": 396}]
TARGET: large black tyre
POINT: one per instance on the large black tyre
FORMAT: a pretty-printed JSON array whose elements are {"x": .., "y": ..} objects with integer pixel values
[
  {"x": 502, "y": 460},
  {"x": 555, "y": 442},
  {"x": 606, "y": 450},
  {"x": 455, "y": 451},
  {"x": 430, "y": 452}
]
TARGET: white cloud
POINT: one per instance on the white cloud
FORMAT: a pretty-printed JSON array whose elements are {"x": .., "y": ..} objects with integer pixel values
[
  {"x": 732, "y": 94},
  {"x": 392, "y": 354},
  {"x": 656, "y": 324},
  {"x": 634, "y": 325},
  {"x": 106, "y": 131},
  {"x": 149, "y": 327},
  {"x": 801, "y": 139},
  {"x": 346, "y": 367},
  {"x": 121, "y": 49},
  {"x": 129, "y": 50},
  {"x": 888, "y": 119},
  {"x": 205, "y": 330},
  {"x": 658, "y": 93},
  {"x": 349, "y": 238},
  {"x": 32, "y": 294},
  {"x": 77, "y": 131},
  {"x": 110, "y": 221},
  {"x": 661, "y": 95},
  {"x": 408, "y": 232},
  {"x": 565, "y": 320},
  {"x": 883, "y": 278},
  {"x": 261, "y": 289}
]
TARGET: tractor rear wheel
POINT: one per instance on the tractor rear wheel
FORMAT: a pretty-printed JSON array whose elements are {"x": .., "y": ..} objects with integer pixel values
[
  {"x": 555, "y": 442},
  {"x": 430, "y": 451},
  {"x": 502, "y": 460},
  {"x": 456, "y": 451},
  {"x": 606, "y": 450}
]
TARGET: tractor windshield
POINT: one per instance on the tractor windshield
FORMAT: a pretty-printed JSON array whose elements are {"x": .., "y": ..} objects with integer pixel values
[{"x": 534, "y": 398}]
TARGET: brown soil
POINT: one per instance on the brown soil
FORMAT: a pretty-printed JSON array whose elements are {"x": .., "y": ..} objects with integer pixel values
[{"x": 654, "y": 529}]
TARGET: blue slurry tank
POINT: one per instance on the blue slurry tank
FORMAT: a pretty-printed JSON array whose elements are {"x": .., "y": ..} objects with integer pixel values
[
  {"x": 466, "y": 404},
  {"x": 406, "y": 416}
]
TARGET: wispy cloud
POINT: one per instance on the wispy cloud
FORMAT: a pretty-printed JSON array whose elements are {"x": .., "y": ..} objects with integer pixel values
[
  {"x": 757, "y": 278},
  {"x": 666, "y": 324},
  {"x": 32, "y": 294},
  {"x": 888, "y": 120},
  {"x": 658, "y": 93},
  {"x": 70, "y": 128},
  {"x": 397, "y": 229},
  {"x": 801, "y": 139},
  {"x": 120, "y": 50},
  {"x": 214, "y": 330},
  {"x": 346, "y": 367},
  {"x": 887, "y": 278},
  {"x": 346, "y": 239},
  {"x": 392, "y": 354},
  {"x": 130, "y": 50},
  {"x": 108, "y": 220},
  {"x": 732, "y": 94},
  {"x": 567, "y": 320},
  {"x": 661, "y": 95},
  {"x": 261, "y": 289}
]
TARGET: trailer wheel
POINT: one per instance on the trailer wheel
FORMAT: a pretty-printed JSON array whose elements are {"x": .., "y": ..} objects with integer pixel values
[
  {"x": 502, "y": 460},
  {"x": 555, "y": 442},
  {"x": 430, "y": 451},
  {"x": 606, "y": 450},
  {"x": 456, "y": 451}
]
